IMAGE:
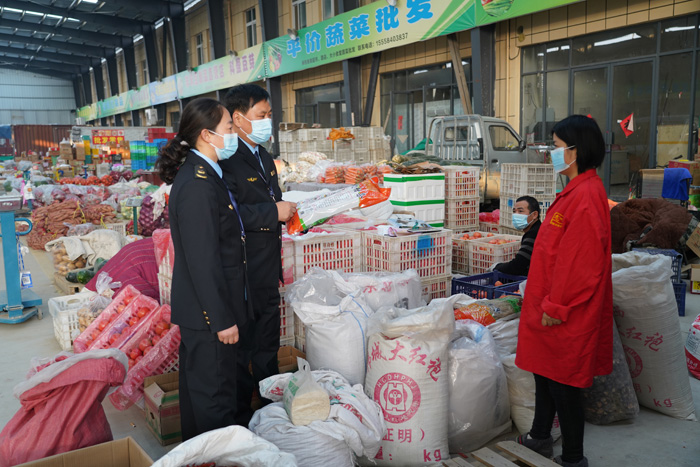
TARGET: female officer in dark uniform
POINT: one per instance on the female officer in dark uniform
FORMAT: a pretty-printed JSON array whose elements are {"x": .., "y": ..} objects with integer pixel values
[{"x": 209, "y": 275}]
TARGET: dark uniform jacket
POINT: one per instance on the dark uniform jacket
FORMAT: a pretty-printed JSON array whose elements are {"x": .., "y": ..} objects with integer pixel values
[
  {"x": 209, "y": 274},
  {"x": 520, "y": 265},
  {"x": 251, "y": 187}
]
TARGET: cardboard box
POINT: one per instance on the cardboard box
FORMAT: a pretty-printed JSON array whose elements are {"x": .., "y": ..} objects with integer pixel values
[
  {"x": 287, "y": 358},
  {"x": 119, "y": 453},
  {"x": 80, "y": 152},
  {"x": 695, "y": 278},
  {"x": 162, "y": 400},
  {"x": 692, "y": 166}
]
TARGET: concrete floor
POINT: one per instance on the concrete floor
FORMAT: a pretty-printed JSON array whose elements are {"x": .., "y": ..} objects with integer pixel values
[{"x": 652, "y": 440}]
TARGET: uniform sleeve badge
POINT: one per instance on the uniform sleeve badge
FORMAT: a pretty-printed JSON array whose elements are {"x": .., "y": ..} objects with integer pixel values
[{"x": 199, "y": 172}]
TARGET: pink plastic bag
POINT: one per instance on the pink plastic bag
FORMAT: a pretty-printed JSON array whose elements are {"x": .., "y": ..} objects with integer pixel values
[
  {"x": 162, "y": 357},
  {"x": 62, "y": 407},
  {"x": 165, "y": 251}
]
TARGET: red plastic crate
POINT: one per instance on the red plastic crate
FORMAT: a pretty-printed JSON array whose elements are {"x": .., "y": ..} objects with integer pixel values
[
  {"x": 429, "y": 253},
  {"x": 484, "y": 254},
  {"x": 462, "y": 214},
  {"x": 119, "y": 305},
  {"x": 125, "y": 325},
  {"x": 338, "y": 250}
]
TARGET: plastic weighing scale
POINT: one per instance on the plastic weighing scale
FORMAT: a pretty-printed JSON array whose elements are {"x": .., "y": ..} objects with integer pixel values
[{"x": 16, "y": 304}]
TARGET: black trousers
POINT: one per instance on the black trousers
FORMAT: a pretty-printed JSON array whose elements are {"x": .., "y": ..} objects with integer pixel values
[
  {"x": 261, "y": 341},
  {"x": 553, "y": 398},
  {"x": 208, "y": 389}
]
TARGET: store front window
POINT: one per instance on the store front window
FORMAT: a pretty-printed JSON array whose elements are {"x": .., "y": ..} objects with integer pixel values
[
  {"x": 643, "y": 78},
  {"x": 410, "y": 99},
  {"x": 321, "y": 104}
]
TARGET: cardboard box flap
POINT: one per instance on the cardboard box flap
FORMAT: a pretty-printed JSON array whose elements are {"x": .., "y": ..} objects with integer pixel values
[
  {"x": 120, "y": 453},
  {"x": 695, "y": 272}
]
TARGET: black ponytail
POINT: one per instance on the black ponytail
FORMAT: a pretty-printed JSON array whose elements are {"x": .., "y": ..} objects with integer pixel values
[{"x": 199, "y": 114}]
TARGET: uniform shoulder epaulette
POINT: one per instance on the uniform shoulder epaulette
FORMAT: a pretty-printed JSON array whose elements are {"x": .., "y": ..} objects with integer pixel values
[{"x": 200, "y": 172}]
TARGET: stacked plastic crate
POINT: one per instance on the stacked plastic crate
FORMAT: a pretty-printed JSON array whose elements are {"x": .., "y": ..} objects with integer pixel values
[
  {"x": 422, "y": 195},
  {"x": 368, "y": 147},
  {"x": 428, "y": 253},
  {"x": 461, "y": 198},
  {"x": 332, "y": 249},
  {"x": 536, "y": 180}
]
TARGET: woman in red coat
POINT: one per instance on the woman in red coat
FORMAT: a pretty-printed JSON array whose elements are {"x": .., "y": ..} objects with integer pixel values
[{"x": 565, "y": 335}]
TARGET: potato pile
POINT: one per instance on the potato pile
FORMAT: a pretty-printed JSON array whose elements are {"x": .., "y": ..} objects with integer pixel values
[{"x": 62, "y": 262}]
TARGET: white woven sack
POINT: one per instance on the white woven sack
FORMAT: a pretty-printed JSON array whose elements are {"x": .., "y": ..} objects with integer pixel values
[
  {"x": 646, "y": 316},
  {"x": 479, "y": 406},
  {"x": 407, "y": 375}
]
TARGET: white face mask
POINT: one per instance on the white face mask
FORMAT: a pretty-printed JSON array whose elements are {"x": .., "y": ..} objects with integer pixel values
[
  {"x": 262, "y": 130},
  {"x": 558, "y": 160}
]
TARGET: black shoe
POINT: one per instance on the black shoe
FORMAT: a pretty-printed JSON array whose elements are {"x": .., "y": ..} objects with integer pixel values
[
  {"x": 582, "y": 463},
  {"x": 543, "y": 447}
]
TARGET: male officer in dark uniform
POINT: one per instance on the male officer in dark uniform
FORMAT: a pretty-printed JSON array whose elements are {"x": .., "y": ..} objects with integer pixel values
[{"x": 252, "y": 178}]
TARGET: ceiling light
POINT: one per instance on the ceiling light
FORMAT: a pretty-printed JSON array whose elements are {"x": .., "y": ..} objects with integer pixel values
[
  {"x": 89, "y": 1},
  {"x": 11, "y": 10},
  {"x": 679, "y": 28},
  {"x": 616, "y": 40}
]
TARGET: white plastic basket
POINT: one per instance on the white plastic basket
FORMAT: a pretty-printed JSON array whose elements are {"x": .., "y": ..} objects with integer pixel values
[
  {"x": 538, "y": 180},
  {"x": 484, "y": 254},
  {"x": 64, "y": 311},
  {"x": 461, "y": 182},
  {"x": 462, "y": 213},
  {"x": 439, "y": 287},
  {"x": 118, "y": 227},
  {"x": 287, "y": 321},
  {"x": 461, "y": 252}
]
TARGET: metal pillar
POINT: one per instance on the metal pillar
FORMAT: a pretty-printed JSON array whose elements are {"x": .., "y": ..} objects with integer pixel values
[
  {"x": 217, "y": 27},
  {"x": 113, "y": 83},
  {"x": 131, "y": 81},
  {"x": 77, "y": 93},
  {"x": 164, "y": 46},
  {"x": 149, "y": 38},
  {"x": 372, "y": 88},
  {"x": 87, "y": 87},
  {"x": 178, "y": 40},
  {"x": 484, "y": 68},
  {"x": 352, "y": 76},
  {"x": 270, "y": 29}
]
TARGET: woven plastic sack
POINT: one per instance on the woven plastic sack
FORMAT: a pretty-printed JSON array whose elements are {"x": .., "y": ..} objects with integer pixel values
[
  {"x": 612, "y": 397},
  {"x": 646, "y": 316},
  {"x": 407, "y": 375},
  {"x": 479, "y": 404},
  {"x": 354, "y": 427},
  {"x": 62, "y": 406},
  {"x": 231, "y": 445}
]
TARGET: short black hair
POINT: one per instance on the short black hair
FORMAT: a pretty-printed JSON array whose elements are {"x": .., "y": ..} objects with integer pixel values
[
  {"x": 242, "y": 97},
  {"x": 532, "y": 204},
  {"x": 584, "y": 133}
]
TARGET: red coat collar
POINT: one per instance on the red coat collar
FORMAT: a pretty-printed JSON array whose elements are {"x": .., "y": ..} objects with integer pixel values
[{"x": 578, "y": 180}]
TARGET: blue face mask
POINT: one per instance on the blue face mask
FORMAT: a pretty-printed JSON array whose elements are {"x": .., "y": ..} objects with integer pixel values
[
  {"x": 558, "y": 161},
  {"x": 262, "y": 130},
  {"x": 230, "y": 146},
  {"x": 520, "y": 221}
]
